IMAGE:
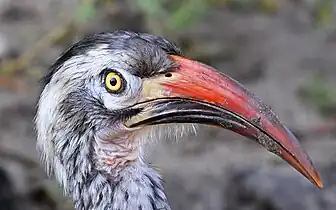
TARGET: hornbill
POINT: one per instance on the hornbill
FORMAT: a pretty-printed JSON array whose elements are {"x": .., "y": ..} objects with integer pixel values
[{"x": 110, "y": 95}]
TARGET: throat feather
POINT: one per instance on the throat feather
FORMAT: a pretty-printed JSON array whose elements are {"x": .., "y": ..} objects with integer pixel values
[{"x": 120, "y": 182}]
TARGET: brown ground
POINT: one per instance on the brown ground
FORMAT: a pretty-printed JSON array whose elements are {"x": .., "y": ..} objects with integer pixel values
[{"x": 274, "y": 56}]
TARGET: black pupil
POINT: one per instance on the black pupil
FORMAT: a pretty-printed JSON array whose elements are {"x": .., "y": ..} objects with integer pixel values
[{"x": 113, "y": 81}]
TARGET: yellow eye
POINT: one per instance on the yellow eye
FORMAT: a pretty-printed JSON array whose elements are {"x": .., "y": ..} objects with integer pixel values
[{"x": 113, "y": 82}]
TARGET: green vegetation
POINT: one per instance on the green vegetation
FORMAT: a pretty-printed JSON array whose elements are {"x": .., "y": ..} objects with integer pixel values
[
  {"x": 163, "y": 17},
  {"x": 315, "y": 92},
  {"x": 324, "y": 13}
]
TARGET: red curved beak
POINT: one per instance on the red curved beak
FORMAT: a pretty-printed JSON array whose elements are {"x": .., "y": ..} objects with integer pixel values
[{"x": 197, "y": 81}]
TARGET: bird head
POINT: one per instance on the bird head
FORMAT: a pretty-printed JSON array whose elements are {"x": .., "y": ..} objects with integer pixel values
[{"x": 108, "y": 94}]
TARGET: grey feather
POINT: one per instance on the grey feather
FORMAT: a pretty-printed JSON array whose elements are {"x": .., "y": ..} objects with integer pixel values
[{"x": 76, "y": 114}]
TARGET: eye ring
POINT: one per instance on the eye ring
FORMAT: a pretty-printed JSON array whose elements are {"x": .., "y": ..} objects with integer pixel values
[{"x": 114, "y": 82}]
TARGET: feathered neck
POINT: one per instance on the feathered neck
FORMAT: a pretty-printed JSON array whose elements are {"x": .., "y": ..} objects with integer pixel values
[
  {"x": 66, "y": 138},
  {"x": 137, "y": 186}
]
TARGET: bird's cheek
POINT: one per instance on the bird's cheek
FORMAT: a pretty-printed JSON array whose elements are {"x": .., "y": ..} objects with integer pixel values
[{"x": 120, "y": 101}]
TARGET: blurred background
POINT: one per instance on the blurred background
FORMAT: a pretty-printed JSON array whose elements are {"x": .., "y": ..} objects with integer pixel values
[{"x": 285, "y": 51}]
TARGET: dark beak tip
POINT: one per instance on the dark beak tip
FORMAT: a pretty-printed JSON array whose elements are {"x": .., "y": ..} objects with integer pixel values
[
  {"x": 317, "y": 179},
  {"x": 320, "y": 183},
  {"x": 302, "y": 163},
  {"x": 296, "y": 156}
]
